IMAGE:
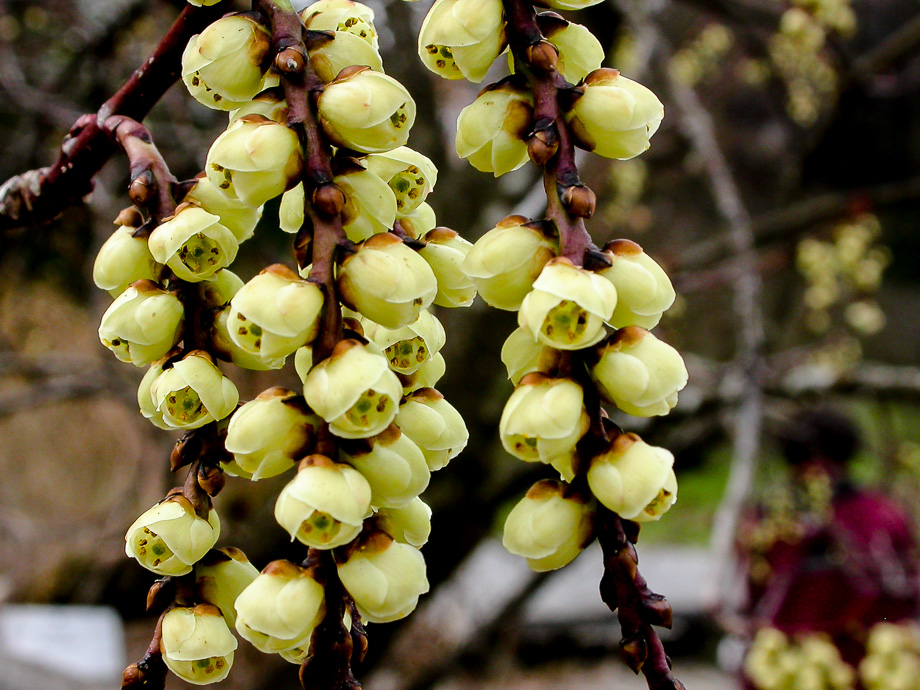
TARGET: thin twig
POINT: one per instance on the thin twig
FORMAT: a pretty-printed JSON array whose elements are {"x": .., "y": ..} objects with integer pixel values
[
  {"x": 801, "y": 216},
  {"x": 899, "y": 44}
]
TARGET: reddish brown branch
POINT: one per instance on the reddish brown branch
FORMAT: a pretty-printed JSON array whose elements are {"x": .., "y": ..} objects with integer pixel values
[
  {"x": 151, "y": 181},
  {"x": 569, "y": 201},
  {"x": 550, "y": 143},
  {"x": 150, "y": 672},
  {"x": 332, "y": 647},
  {"x": 625, "y": 591},
  {"x": 39, "y": 196},
  {"x": 323, "y": 201}
]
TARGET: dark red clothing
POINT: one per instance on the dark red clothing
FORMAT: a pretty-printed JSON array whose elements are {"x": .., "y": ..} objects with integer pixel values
[{"x": 842, "y": 574}]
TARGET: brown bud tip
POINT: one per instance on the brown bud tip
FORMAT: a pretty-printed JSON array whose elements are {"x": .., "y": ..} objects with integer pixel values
[
  {"x": 160, "y": 594},
  {"x": 635, "y": 652},
  {"x": 211, "y": 480},
  {"x": 539, "y": 150},
  {"x": 543, "y": 56},
  {"x": 579, "y": 200},
  {"x": 329, "y": 200},
  {"x": 359, "y": 642},
  {"x": 147, "y": 674},
  {"x": 131, "y": 678},
  {"x": 658, "y": 611},
  {"x": 130, "y": 217},
  {"x": 291, "y": 60},
  {"x": 182, "y": 454},
  {"x": 143, "y": 188},
  {"x": 596, "y": 260},
  {"x": 351, "y": 324}
]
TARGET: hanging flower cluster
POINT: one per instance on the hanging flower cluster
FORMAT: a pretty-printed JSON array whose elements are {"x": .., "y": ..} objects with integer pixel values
[
  {"x": 584, "y": 313},
  {"x": 776, "y": 662},
  {"x": 315, "y": 120},
  {"x": 892, "y": 660}
]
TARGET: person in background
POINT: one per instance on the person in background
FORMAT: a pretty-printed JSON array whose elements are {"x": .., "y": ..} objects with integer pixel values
[{"x": 828, "y": 566}]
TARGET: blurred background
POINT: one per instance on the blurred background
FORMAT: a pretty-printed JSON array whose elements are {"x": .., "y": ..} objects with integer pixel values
[{"x": 782, "y": 194}]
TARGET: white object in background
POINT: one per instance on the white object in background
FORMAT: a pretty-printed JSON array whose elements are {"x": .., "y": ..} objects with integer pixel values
[{"x": 85, "y": 644}]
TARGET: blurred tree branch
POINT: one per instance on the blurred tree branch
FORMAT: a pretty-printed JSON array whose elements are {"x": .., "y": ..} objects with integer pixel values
[
  {"x": 746, "y": 423},
  {"x": 798, "y": 217},
  {"x": 38, "y": 196},
  {"x": 52, "y": 380}
]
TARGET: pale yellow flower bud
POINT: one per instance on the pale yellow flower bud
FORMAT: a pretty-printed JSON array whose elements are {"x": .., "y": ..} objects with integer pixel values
[
  {"x": 142, "y": 324},
  {"x": 385, "y": 578},
  {"x": 644, "y": 290},
  {"x": 303, "y": 362},
  {"x": 342, "y": 15},
  {"x": 434, "y": 425},
  {"x": 343, "y": 51},
  {"x": 239, "y": 218},
  {"x": 419, "y": 221},
  {"x": 297, "y": 655},
  {"x": 633, "y": 479},
  {"x": 193, "y": 244},
  {"x": 196, "y": 644},
  {"x": 255, "y": 160},
  {"x": 461, "y": 38},
  {"x": 291, "y": 211},
  {"x": 408, "y": 524},
  {"x": 409, "y": 174},
  {"x": 370, "y": 205},
  {"x": 407, "y": 348},
  {"x": 543, "y": 419},
  {"x": 392, "y": 464},
  {"x": 220, "y": 577},
  {"x": 571, "y": 4},
  {"x": 220, "y": 288},
  {"x": 122, "y": 260},
  {"x": 889, "y": 638},
  {"x": 426, "y": 376},
  {"x": 279, "y": 610},
  {"x": 170, "y": 538},
  {"x": 203, "y": 3},
  {"x": 324, "y": 506},
  {"x": 639, "y": 373},
  {"x": 269, "y": 434},
  {"x": 445, "y": 251},
  {"x": 805, "y": 30},
  {"x": 579, "y": 51},
  {"x": 505, "y": 261},
  {"x": 270, "y": 104},
  {"x": 568, "y": 306},
  {"x": 354, "y": 390},
  {"x": 564, "y": 465},
  {"x": 549, "y": 527},
  {"x": 228, "y": 350},
  {"x": 387, "y": 282},
  {"x": 616, "y": 116},
  {"x": 491, "y": 129},
  {"x": 366, "y": 111},
  {"x": 145, "y": 402},
  {"x": 193, "y": 392},
  {"x": 522, "y": 354},
  {"x": 275, "y": 313},
  {"x": 223, "y": 66}
]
